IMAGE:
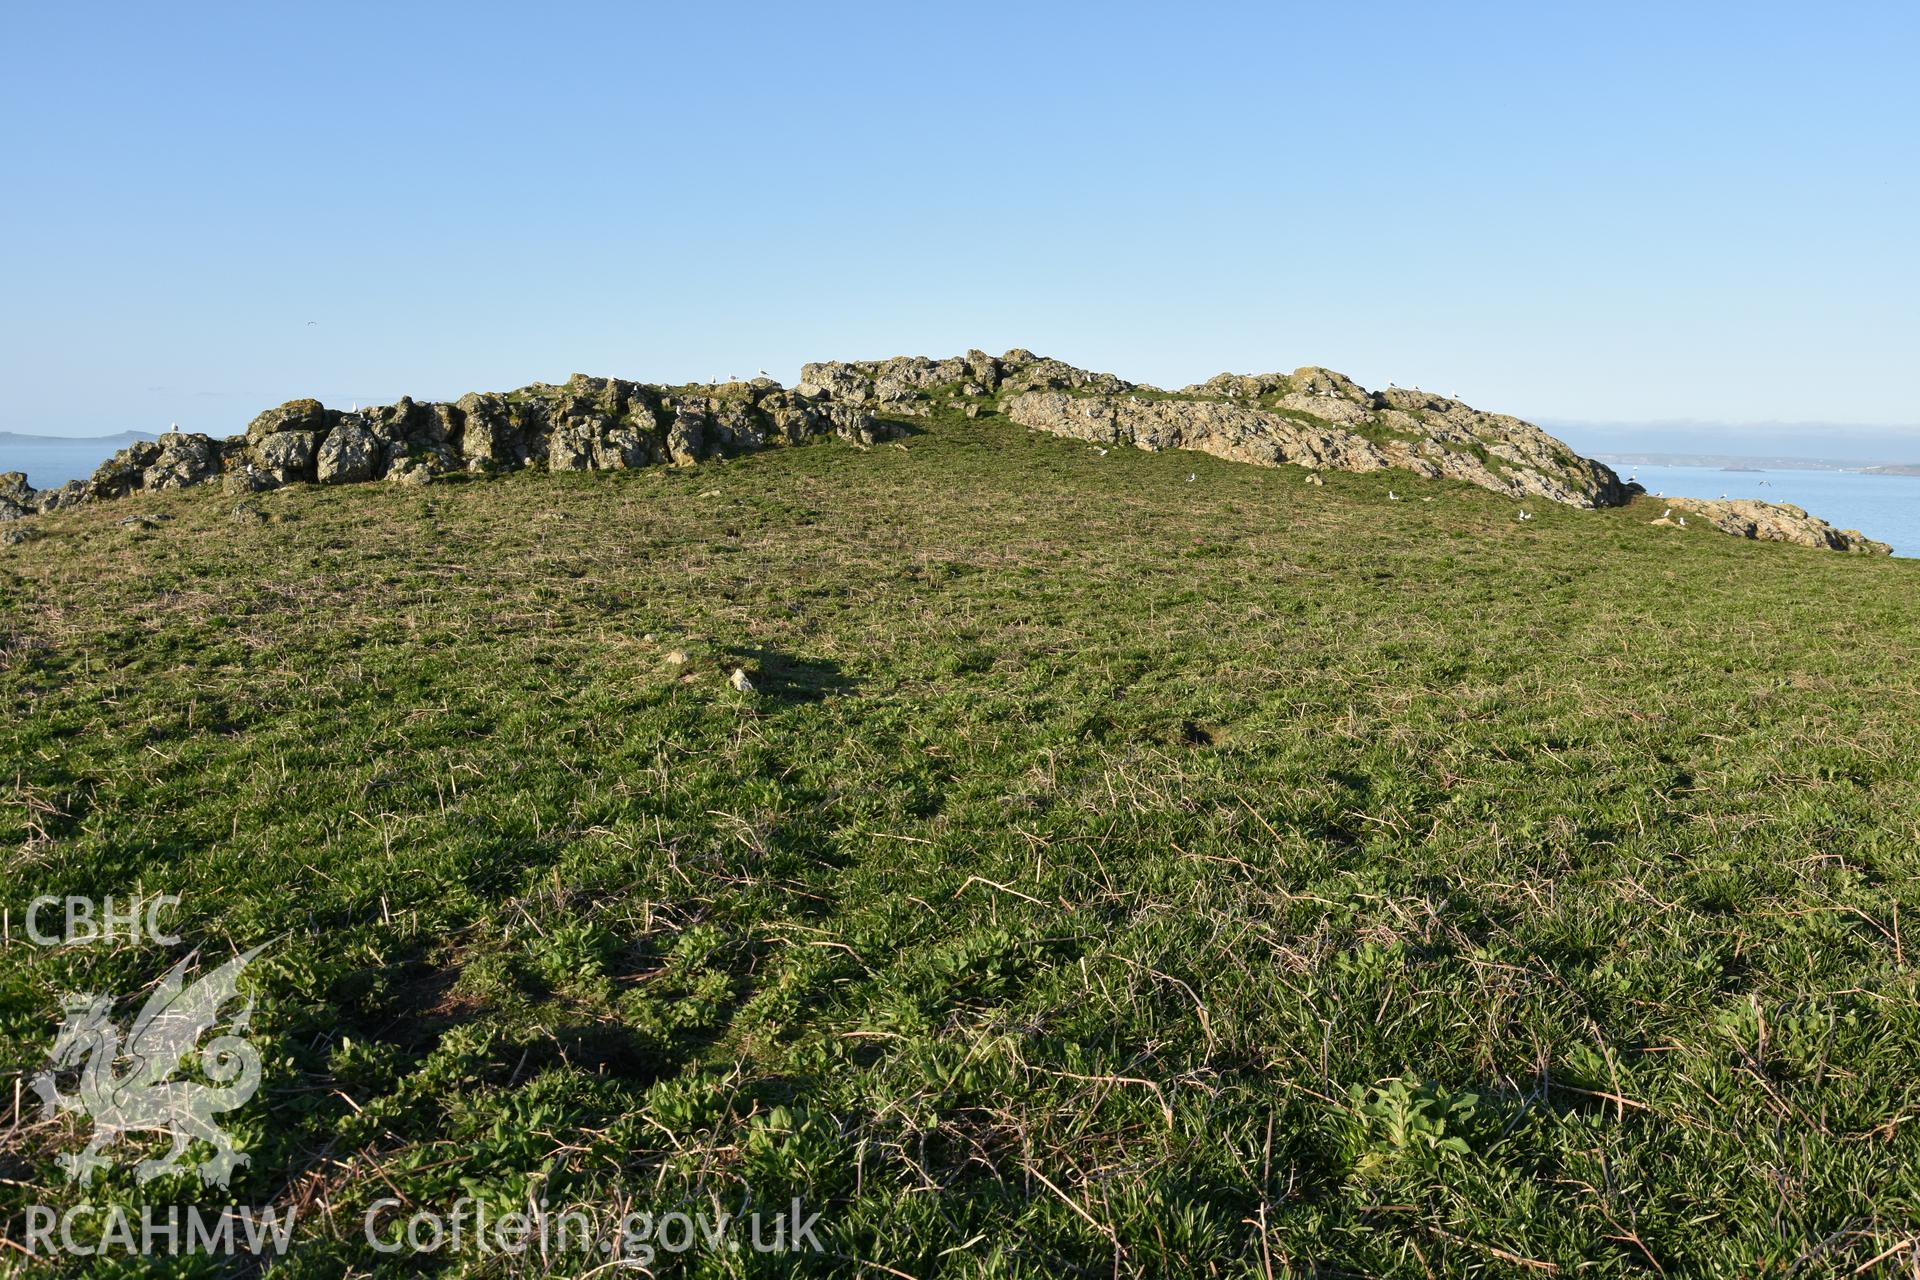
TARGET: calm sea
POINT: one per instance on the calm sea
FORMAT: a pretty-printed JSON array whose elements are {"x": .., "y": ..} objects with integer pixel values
[
  {"x": 51, "y": 463},
  {"x": 1882, "y": 507}
]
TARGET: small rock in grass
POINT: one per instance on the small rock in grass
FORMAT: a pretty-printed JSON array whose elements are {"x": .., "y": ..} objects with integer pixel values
[
  {"x": 14, "y": 535},
  {"x": 677, "y": 658}
]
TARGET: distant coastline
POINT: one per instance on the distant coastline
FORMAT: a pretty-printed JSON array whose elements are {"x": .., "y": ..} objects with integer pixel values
[
  {"x": 118, "y": 437},
  {"x": 1743, "y": 462},
  {"x": 51, "y": 461}
]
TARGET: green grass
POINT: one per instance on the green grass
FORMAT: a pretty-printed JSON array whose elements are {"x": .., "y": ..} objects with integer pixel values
[{"x": 1112, "y": 875}]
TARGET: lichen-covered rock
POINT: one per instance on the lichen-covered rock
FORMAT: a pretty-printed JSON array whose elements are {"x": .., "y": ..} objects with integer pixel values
[
  {"x": 1777, "y": 522},
  {"x": 124, "y": 473},
  {"x": 70, "y": 494},
  {"x": 1319, "y": 419},
  {"x": 411, "y": 475},
  {"x": 184, "y": 459},
  {"x": 687, "y": 433},
  {"x": 287, "y": 456},
  {"x": 790, "y": 418},
  {"x": 17, "y": 497},
  {"x": 294, "y": 415},
  {"x": 598, "y": 442},
  {"x": 851, "y": 422},
  {"x": 247, "y": 478},
  {"x": 737, "y": 428},
  {"x": 909, "y": 385},
  {"x": 350, "y": 454},
  {"x": 492, "y": 436}
]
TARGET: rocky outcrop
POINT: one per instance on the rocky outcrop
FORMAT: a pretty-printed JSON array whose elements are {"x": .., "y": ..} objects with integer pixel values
[
  {"x": 1311, "y": 417},
  {"x": 911, "y": 386},
  {"x": 19, "y": 500},
  {"x": 1514, "y": 459},
  {"x": 587, "y": 424},
  {"x": 350, "y": 454},
  {"x": 1777, "y": 522},
  {"x": 16, "y": 499}
]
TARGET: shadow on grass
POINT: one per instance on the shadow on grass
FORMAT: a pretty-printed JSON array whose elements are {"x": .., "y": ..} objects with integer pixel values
[{"x": 782, "y": 677}]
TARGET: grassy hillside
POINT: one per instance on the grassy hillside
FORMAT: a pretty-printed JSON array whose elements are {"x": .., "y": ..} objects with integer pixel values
[{"x": 1114, "y": 872}]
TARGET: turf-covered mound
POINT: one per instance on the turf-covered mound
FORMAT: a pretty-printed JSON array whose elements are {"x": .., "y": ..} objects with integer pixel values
[
  {"x": 1312, "y": 417},
  {"x": 1128, "y": 863}
]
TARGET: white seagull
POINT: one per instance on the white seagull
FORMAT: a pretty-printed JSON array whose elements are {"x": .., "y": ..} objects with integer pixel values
[{"x": 1392, "y": 496}]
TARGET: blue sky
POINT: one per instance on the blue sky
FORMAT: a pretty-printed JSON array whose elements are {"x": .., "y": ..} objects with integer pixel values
[{"x": 1601, "y": 213}]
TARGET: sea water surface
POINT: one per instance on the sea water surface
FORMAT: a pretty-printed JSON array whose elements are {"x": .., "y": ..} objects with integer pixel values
[
  {"x": 1886, "y": 508},
  {"x": 51, "y": 463}
]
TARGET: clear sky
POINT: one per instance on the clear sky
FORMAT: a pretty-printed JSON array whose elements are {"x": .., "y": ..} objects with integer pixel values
[{"x": 1610, "y": 212}]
